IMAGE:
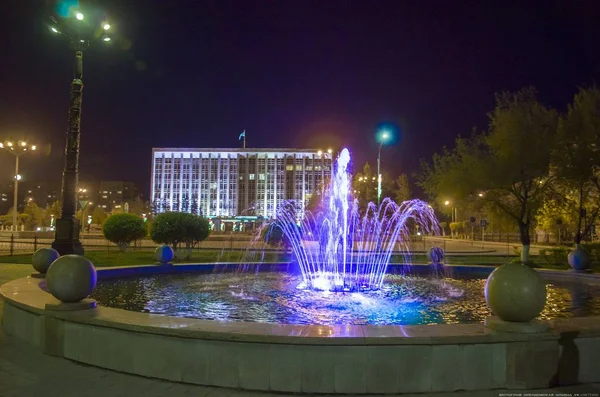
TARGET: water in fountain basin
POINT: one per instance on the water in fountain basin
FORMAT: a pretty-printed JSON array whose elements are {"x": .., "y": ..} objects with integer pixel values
[{"x": 342, "y": 249}]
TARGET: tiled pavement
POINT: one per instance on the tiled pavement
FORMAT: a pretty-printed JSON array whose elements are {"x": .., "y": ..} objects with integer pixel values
[{"x": 25, "y": 371}]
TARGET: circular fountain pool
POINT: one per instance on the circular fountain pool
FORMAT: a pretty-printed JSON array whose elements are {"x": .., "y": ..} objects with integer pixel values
[
  {"x": 275, "y": 297},
  {"x": 283, "y": 339}
]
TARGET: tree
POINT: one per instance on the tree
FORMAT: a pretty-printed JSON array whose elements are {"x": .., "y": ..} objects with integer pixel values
[
  {"x": 138, "y": 206},
  {"x": 507, "y": 166},
  {"x": 164, "y": 205},
  {"x": 156, "y": 207},
  {"x": 577, "y": 156},
  {"x": 21, "y": 217},
  {"x": 558, "y": 214},
  {"x": 365, "y": 186},
  {"x": 122, "y": 229},
  {"x": 54, "y": 210},
  {"x": 185, "y": 203},
  {"x": 402, "y": 189},
  {"x": 99, "y": 216},
  {"x": 194, "y": 209},
  {"x": 197, "y": 229},
  {"x": 315, "y": 203},
  {"x": 175, "y": 228},
  {"x": 34, "y": 214},
  {"x": 274, "y": 234}
]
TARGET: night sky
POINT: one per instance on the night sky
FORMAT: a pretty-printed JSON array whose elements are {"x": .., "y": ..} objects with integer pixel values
[{"x": 291, "y": 73}]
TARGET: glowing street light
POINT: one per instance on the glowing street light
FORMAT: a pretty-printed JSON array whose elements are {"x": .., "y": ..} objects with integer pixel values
[
  {"x": 320, "y": 152},
  {"x": 81, "y": 36},
  {"x": 454, "y": 210},
  {"x": 384, "y": 137},
  {"x": 17, "y": 150},
  {"x": 329, "y": 151}
]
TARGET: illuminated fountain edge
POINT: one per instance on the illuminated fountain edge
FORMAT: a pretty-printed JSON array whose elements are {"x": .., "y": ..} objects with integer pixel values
[{"x": 287, "y": 358}]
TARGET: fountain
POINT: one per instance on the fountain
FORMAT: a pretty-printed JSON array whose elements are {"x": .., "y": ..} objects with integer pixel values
[
  {"x": 334, "y": 327},
  {"x": 354, "y": 249}
]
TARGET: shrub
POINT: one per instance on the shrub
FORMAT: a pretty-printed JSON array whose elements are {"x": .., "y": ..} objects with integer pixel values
[
  {"x": 443, "y": 227},
  {"x": 559, "y": 256},
  {"x": 593, "y": 250},
  {"x": 554, "y": 256},
  {"x": 122, "y": 229},
  {"x": 273, "y": 233},
  {"x": 176, "y": 228}
]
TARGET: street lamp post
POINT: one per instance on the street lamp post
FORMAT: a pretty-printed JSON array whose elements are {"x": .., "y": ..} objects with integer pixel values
[
  {"x": 454, "y": 211},
  {"x": 383, "y": 139},
  {"x": 17, "y": 149},
  {"x": 66, "y": 240}
]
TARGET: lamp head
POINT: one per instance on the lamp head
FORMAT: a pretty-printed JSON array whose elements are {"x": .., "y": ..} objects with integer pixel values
[{"x": 384, "y": 135}]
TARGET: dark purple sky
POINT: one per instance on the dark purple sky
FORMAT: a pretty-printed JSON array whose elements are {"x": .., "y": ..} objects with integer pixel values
[{"x": 292, "y": 73}]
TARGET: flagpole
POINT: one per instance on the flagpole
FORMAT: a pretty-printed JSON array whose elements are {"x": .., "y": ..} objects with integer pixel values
[{"x": 244, "y": 139}]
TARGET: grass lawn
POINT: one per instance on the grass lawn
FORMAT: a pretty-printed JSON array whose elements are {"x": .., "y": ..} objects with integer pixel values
[{"x": 134, "y": 258}]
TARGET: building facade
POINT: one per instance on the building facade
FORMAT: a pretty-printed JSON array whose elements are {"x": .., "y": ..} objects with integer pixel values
[
  {"x": 235, "y": 182},
  {"x": 114, "y": 195},
  {"x": 43, "y": 194}
]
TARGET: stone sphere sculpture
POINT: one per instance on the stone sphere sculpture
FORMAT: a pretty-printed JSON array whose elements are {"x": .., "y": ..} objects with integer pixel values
[
  {"x": 435, "y": 255},
  {"x": 579, "y": 260},
  {"x": 515, "y": 293},
  {"x": 43, "y": 258},
  {"x": 71, "y": 278},
  {"x": 164, "y": 254}
]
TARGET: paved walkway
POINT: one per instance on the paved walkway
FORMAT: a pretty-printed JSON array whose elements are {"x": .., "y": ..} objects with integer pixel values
[{"x": 25, "y": 371}]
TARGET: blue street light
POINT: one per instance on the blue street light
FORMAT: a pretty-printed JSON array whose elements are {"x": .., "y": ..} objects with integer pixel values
[{"x": 383, "y": 136}]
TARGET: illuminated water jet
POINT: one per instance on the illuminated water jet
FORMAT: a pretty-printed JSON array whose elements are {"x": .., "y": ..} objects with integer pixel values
[{"x": 341, "y": 249}]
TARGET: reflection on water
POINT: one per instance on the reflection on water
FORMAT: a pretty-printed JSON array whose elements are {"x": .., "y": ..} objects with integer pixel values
[{"x": 275, "y": 298}]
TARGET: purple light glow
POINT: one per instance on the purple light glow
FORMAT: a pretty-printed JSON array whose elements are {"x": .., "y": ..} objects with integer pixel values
[{"x": 341, "y": 249}]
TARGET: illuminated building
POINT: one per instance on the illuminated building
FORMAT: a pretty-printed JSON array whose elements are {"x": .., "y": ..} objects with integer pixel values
[{"x": 233, "y": 182}]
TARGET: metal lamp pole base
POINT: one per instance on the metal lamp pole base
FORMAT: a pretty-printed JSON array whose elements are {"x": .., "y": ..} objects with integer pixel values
[{"x": 66, "y": 239}]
